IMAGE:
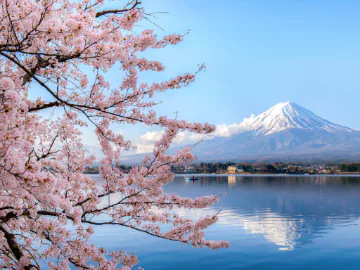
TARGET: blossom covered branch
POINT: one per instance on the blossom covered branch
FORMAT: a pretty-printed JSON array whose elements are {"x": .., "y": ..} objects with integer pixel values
[{"x": 44, "y": 48}]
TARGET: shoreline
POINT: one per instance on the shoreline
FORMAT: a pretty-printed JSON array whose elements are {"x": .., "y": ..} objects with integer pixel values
[{"x": 259, "y": 174}]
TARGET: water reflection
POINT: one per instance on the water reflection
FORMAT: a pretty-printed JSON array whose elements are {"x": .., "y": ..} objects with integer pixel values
[
  {"x": 272, "y": 222},
  {"x": 287, "y": 211},
  {"x": 231, "y": 180}
]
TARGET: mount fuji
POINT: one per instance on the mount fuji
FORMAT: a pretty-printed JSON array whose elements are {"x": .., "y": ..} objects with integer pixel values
[
  {"x": 289, "y": 115},
  {"x": 285, "y": 132}
]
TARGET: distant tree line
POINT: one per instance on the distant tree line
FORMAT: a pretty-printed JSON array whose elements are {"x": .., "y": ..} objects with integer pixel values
[
  {"x": 214, "y": 167},
  {"x": 272, "y": 168},
  {"x": 352, "y": 167}
]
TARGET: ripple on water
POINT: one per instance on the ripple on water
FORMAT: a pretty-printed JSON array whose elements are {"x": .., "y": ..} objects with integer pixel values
[{"x": 271, "y": 222}]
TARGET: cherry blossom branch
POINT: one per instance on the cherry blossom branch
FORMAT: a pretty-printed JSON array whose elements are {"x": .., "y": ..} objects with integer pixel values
[
  {"x": 117, "y": 11},
  {"x": 45, "y": 196}
]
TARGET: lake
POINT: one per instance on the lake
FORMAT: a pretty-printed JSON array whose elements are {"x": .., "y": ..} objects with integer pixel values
[{"x": 272, "y": 222}]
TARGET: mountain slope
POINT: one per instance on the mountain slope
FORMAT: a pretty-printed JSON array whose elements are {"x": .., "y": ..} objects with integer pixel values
[
  {"x": 289, "y": 115},
  {"x": 285, "y": 132},
  {"x": 283, "y": 145}
]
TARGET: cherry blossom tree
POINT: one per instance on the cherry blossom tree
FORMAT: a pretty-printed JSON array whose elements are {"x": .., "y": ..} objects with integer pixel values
[{"x": 48, "y": 207}]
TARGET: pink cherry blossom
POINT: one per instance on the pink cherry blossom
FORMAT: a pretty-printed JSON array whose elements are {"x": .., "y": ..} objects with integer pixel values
[{"x": 48, "y": 206}]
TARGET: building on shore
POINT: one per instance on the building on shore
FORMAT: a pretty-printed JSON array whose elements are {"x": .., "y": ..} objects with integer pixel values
[{"x": 235, "y": 169}]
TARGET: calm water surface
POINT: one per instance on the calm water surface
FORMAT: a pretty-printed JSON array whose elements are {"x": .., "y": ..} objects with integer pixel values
[{"x": 272, "y": 222}]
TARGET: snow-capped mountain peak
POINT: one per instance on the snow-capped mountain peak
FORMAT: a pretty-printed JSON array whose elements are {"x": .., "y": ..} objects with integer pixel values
[
  {"x": 288, "y": 115},
  {"x": 285, "y": 132}
]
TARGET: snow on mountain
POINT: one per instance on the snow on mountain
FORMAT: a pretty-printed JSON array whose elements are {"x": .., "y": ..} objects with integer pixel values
[
  {"x": 285, "y": 132},
  {"x": 289, "y": 115}
]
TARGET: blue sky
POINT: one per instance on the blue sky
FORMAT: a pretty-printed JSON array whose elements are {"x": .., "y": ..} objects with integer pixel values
[{"x": 259, "y": 53}]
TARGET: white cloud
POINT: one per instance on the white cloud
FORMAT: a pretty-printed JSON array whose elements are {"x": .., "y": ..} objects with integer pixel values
[
  {"x": 152, "y": 136},
  {"x": 146, "y": 142},
  {"x": 188, "y": 137},
  {"x": 144, "y": 148}
]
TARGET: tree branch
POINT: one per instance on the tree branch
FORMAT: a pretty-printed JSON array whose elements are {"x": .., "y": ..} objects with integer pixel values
[
  {"x": 117, "y": 11},
  {"x": 10, "y": 238},
  {"x": 45, "y": 106}
]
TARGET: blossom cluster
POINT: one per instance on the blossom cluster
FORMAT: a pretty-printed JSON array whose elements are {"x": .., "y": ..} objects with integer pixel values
[{"x": 48, "y": 207}]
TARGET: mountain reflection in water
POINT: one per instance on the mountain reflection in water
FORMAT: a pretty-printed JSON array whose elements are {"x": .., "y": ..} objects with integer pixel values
[
  {"x": 288, "y": 211},
  {"x": 269, "y": 220}
]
